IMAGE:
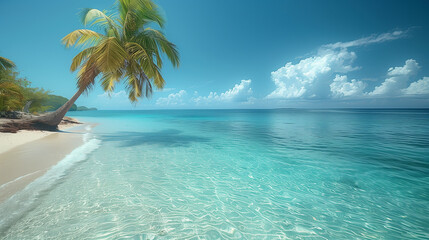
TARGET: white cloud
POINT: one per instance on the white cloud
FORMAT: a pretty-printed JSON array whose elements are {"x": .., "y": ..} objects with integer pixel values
[
  {"x": 369, "y": 40},
  {"x": 417, "y": 88},
  {"x": 398, "y": 79},
  {"x": 172, "y": 99},
  {"x": 239, "y": 93},
  {"x": 410, "y": 67},
  {"x": 311, "y": 76},
  {"x": 119, "y": 94},
  {"x": 340, "y": 87}
]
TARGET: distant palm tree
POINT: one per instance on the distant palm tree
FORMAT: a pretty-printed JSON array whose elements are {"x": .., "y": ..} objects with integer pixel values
[
  {"x": 11, "y": 97},
  {"x": 128, "y": 49},
  {"x": 6, "y": 64}
]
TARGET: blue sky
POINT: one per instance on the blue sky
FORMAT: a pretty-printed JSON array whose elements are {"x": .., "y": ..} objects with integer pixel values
[{"x": 247, "y": 53}]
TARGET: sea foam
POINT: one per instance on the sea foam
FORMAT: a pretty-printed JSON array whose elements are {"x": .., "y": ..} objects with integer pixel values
[{"x": 23, "y": 201}]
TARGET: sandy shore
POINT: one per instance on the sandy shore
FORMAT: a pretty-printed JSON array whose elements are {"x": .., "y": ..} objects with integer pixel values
[
  {"x": 27, "y": 155},
  {"x": 9, "y": 141}
]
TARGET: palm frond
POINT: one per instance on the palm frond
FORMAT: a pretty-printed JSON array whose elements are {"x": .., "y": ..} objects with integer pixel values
[
  {"x": 128, "y": 49},
  {"x": 134, "y": 87},
  {"x": 144, "y": 11},
  {"x": 11, "y": 97},
  {"x": 83, "y": 55},
  {"x": 148, "y": 88},
  {"x": 83, "y": 37},
  {"x": 158, "y": 79},
  {"x": 150, "y": 35},
  {"x": 110, "y": 55},
  {"x": 136, "y": 51},
  {"x": 138, "y": 84},
  {"x": 95, "y": 17},
  {"x": 6, "y": 64},
  {"x": 108, "y": 80}
]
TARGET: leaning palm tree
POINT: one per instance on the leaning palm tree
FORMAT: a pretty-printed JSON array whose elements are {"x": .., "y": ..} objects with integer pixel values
[{"x": 125, "y": 49}]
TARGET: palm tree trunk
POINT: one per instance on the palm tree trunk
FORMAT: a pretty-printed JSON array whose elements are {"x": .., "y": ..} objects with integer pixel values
[
  {"x": 48, "y": 121},
  {"x": 51, "y": 120},
  {"x": 26, "y": 108}
]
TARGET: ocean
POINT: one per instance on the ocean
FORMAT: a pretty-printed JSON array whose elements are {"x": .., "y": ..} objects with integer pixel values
[{"x": 235, "y": 174}]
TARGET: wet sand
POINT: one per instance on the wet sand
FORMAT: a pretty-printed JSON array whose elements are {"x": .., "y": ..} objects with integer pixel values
[{"x": 30, "y": 159}]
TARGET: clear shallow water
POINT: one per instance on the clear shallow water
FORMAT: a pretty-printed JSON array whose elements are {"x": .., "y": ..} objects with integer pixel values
[{"x": 244, "y": 174}]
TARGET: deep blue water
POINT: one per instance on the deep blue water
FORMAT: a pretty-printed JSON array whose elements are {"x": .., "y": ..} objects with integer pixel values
[{"x": 243, "y": 174}]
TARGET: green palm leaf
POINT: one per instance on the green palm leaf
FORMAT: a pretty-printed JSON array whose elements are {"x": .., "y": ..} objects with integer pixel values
[
  {"x": 11, "y": 97},
  {"x": 83, "y": 37},
  {"x": 6, "y": 64},
  {"x": 127, "y": 50}
]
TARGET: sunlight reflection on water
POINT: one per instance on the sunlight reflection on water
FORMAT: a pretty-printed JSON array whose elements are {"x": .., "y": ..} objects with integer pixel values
[{"x": 243, "y": 174}]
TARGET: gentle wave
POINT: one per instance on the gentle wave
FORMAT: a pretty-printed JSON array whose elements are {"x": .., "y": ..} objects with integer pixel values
[
  {"x": 242, "y": 175},
  {"x": 17, "y": 179},
  {"x": 22, "y": 202}
]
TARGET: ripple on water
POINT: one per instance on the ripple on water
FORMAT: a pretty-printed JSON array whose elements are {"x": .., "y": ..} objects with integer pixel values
[{"x": 244, "y": 175}]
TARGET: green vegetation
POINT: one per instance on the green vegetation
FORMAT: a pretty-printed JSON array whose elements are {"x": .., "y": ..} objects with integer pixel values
[
  {"x": 10, "y": 96},
  {"x": 54, "y": 102},
  {"x": 83, "y": 108},
  {"x": 15, "y": 92},
  {"x": 129, "y": 49},
  {"x": 17, "y": 95},
  {"x": 6, "y": 64}
]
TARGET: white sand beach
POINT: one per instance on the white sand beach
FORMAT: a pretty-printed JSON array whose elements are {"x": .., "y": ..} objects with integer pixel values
[
  {"x": 27, "y": 155},
  {"x": 9, "y": 141}
]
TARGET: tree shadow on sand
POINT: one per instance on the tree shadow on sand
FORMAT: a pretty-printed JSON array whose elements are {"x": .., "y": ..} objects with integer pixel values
[{"x": 165, "y": 138}]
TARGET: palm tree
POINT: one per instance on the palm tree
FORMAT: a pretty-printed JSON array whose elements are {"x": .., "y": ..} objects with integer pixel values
[
  {"x": 11, "y": 97},
  {"x": 6, "y": 64},
  {"x": 128, "y": 49}
]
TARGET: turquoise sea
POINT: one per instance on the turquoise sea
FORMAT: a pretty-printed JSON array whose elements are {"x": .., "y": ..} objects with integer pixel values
[{"x": 234, "y": 174}]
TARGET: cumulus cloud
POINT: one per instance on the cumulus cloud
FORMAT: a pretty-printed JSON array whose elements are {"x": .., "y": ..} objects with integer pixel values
[
  {"x": 239, "y": 93},
  {"x": 341, "y": 87},
  {"x": 397, "y": 80},
  {"x": 417, "y": 88},
  {"x": 397, "y": 84},
  {"x": 172, "y": 99},
  {"x": 312, "y": 77},
  {"x": 410, "y": 67}
]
